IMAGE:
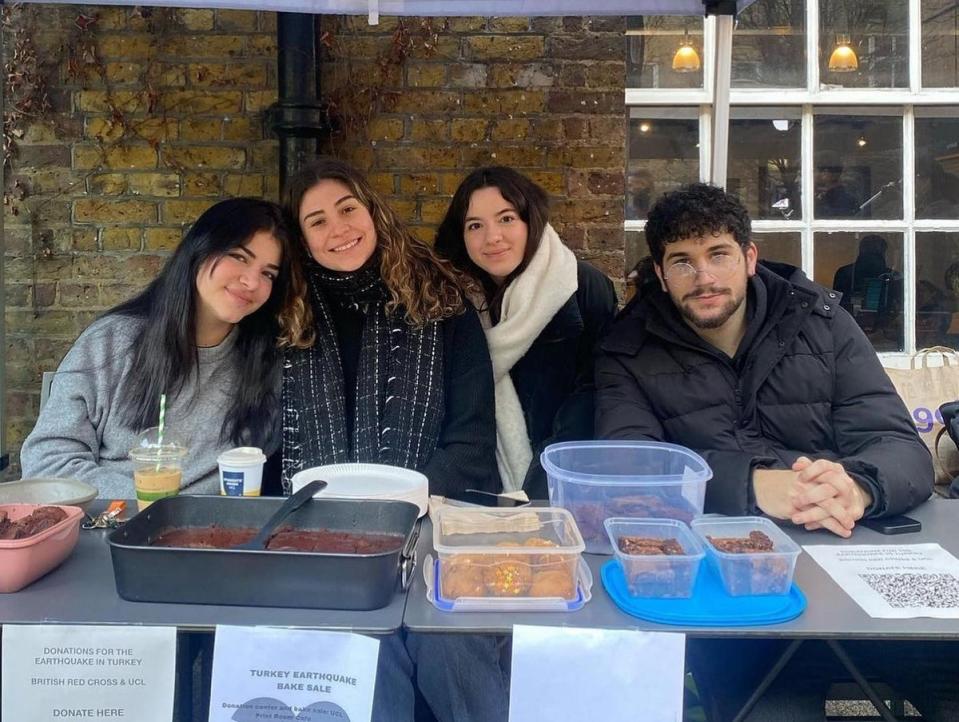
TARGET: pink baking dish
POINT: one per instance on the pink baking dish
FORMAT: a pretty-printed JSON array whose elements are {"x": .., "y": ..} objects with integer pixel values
[{"x": 23, "y": 561}]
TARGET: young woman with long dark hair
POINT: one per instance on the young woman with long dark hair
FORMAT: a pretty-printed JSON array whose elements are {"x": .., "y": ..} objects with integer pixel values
[
  {"x": 542, "y": 309},
  {"x": 398, "y": 372},
  {"x": 204, "y": 333}
]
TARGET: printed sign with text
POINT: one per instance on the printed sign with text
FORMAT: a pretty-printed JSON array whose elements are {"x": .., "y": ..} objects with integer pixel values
[
  {"x": 67, "y": 672},
  {"x": 292, "y": 675}
]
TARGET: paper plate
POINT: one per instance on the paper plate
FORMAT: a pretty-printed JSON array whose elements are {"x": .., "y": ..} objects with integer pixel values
[
  {"x": 368, "y": 481},
  {"x": 41, "y": 490}
]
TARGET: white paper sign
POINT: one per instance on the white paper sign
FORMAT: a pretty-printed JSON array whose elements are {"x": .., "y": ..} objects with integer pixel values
[
  {"x": 64, "y": 672},
  {"x": 292, "y": 675},
  {"x": 560, "y": 673},
  {"x": 893, "y": 581}
]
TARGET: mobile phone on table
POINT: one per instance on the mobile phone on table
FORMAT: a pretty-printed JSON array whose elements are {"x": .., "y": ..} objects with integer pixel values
[
  {"x": 897, "y": 524},
  {"x": 485, "y": 498}
]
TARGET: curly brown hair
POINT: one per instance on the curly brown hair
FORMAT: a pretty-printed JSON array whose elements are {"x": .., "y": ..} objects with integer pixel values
[{"x": 426, "y": 287}]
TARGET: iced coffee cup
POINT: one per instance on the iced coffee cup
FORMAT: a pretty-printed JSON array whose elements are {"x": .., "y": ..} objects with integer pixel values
[
  {"x": 157, "y": 466},
  {"x": 241, "y": 471}
]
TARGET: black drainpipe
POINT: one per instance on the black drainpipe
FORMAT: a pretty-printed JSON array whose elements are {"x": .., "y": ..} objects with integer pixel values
[{"x": 298, "y": 117}]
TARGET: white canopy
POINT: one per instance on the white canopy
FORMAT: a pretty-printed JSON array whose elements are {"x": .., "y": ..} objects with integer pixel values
[{"x": 427, "y": 8}]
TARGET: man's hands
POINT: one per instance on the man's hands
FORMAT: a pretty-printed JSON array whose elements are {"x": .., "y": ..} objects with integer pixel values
[{"x": 817, "y": 494}]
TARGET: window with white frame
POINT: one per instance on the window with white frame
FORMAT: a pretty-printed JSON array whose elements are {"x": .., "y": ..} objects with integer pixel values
[{"x": 843, "y": 144}]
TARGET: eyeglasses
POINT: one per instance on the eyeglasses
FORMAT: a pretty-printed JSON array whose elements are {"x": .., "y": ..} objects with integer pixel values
[{"x": 718, "y": 265}]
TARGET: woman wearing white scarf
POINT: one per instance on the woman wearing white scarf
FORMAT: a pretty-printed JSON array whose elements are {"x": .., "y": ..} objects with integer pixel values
[{"x": 542, "y": 311}]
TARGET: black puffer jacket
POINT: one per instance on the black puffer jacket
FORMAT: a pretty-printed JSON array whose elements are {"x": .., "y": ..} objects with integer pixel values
[
  {"x": 805, "y": 381},
  {"x": 554, "y": 379}
]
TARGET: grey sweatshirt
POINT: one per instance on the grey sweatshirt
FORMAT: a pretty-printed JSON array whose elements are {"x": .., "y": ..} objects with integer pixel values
[{"x": 79, "y": 434}]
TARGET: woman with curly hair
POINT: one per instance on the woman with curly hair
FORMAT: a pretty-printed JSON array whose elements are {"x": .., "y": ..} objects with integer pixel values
[
  {"x": 396, "y": 371},
  {"x": 380, "y": 382}
]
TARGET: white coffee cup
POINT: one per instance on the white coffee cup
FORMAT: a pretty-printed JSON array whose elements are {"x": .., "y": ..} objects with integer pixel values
[{"x": 241, "y": 471}]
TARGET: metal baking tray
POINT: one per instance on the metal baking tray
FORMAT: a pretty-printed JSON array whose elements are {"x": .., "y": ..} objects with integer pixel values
[{"x": 307, "y": 580}]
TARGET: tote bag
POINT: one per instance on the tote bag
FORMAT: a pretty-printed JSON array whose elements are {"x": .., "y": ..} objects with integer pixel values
[{"x": 924, "y": 388}]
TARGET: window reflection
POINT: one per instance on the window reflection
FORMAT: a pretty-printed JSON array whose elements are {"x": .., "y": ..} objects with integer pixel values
[
  {"x": 867, "y": 269},
  {"x": 780, "y": 247},
  {"x": 652, "y": 44},
  {"x": 937, "y": 167},
  {"x": 764, "y": 161},
  {"x": 769, "y": 46},
  {"x": 937, "y": 289},
  {"x": 940, "y": 43},
  {"x": 858, "y": 167},
  {"x": 872, "y": 37},
  {"x": 663, "y": 155}
]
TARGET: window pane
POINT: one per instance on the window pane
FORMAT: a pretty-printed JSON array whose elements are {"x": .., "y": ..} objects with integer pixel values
[
  {"x": 937, "y": 168},
  {"x": 858, "y": 167},
  {"x": 864, "y": 44},
  {"x": 940, "y": 43},
  {"x": 763, "y": 167},
  {"x": 867, "y": 269},
  {"x": 636, "y": 250},
  {"x": 769, "y": 46},
  {"x": 937, "y": 289},
  {"x": 652, "y": 44},
  {"x": 779, "y": 246},
  {"x": 663, "y": 155}
]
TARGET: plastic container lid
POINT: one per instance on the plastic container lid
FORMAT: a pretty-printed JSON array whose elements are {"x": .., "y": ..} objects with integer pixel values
[
  {"x": 150, "y": 449},
  {"x": 242, "y": 456},
  {"x": 490, "y": 526},
  {"x": 624, "y": 462}
]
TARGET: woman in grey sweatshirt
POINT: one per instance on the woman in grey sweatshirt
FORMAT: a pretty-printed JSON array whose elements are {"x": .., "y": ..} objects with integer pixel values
[{"x": 204, "y": 333}]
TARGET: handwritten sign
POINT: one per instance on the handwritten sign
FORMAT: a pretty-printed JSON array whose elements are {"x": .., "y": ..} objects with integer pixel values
[
  {"x": 298, "y": 675},
  {"x": 64, "y": 672},
  {"x": 560, "y": 673}
]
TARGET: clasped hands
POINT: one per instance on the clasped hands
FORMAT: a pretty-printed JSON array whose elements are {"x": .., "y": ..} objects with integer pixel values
[{"x": 818, "y": 494}]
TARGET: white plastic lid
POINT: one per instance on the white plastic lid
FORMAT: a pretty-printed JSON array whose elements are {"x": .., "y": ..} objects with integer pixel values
[{"x": 242, "y": 456}]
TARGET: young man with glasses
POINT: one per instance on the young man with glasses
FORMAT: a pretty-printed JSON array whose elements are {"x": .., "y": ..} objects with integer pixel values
[{"x": 759, "y": 370}]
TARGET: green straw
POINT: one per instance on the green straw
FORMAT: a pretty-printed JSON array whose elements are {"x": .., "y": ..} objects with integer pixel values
[{"x": 160, "y": 427}]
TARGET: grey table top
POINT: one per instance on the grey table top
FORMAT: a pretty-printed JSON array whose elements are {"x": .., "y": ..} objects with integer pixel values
[
  {"x": 830, "y": 613},
  {"x": 82, "y": 591}
]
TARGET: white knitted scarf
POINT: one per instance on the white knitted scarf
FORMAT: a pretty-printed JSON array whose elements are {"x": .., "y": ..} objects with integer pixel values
[{"x": 529, "y": 303}]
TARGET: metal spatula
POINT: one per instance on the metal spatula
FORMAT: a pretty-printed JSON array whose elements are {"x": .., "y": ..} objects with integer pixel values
[{"x": 288, "y": 507}]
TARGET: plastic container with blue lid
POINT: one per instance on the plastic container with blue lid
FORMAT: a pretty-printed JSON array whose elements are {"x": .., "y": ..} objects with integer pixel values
[
  {"x": 664, "y": 576},
  {"x": 596, "y": 480}
]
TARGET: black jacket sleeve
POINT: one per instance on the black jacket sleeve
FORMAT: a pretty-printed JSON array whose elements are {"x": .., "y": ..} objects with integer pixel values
[
  {"x": 465, "y": 456},
  {"x": 877, "y": 441},
  {"x": 596, "y": 298}
]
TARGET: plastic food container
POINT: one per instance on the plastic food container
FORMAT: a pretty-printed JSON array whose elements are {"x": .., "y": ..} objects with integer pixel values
[
  {"x": 506, "y": 554},
  {"x": 751, "y": 572},
  {"x": 23, "y": 561},
  {"x": 657, "y": 575},
  {"x": 596, "y": 480}
]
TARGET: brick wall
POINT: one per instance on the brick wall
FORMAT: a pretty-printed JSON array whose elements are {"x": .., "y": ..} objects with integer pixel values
[
  {"x": 169, "y": 119},
  {"x": 544, "y": 95},
  {"x": 155, "y": 115}
]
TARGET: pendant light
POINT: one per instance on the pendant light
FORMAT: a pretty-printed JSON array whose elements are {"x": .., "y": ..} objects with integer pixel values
[
  {"x": 686, "y": 59},
  {"x": 843, "y": 58}
]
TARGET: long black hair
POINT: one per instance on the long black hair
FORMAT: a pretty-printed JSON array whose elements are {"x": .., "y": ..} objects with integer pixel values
[
  {"x": 164, "y": 349},
  {"x": 530, "y": 202}
]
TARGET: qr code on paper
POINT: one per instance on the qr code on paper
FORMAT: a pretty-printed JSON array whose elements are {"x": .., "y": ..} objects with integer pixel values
[{"x": 935, "y": 591}]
